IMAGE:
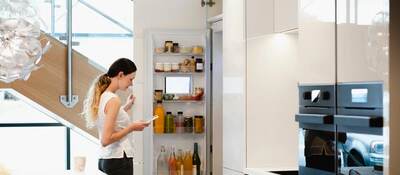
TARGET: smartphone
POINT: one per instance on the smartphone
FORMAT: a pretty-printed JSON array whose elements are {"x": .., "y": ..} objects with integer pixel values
[{"x": 154, "y": 117}]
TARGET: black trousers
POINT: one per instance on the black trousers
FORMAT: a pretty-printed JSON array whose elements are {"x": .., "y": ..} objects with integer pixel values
[{"x": 121, "y": 166}]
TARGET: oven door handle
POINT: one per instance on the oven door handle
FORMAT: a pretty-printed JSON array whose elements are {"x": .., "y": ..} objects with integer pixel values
[
  {"x": 314, "y": 118},
  {"x": 362, "y": 121}
]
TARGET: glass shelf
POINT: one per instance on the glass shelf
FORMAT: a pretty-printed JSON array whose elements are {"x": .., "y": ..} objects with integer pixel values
[
  {"x": 179, "y": 134},
  {"x": 178, "y": 54},
  {"x": 182, "y": 101}
]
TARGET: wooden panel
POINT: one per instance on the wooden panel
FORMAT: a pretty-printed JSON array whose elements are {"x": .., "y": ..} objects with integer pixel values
[{"x": 49, "y": 82}]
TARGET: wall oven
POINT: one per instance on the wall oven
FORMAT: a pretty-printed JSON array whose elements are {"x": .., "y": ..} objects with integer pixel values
[{"x": 340, "y": 129}]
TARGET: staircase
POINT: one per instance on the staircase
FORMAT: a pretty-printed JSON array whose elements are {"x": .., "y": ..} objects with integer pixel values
[{"x": 47, "y": 84}]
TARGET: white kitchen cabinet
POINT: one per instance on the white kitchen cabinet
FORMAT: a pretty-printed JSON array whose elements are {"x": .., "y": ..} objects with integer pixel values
[
  {"x": 285, "y": 15},
  {"x": 316, "y": 63},
  {"x": 362, "y": 41},
  {"x": 233, "y": 86},
  {"x": 259, "y": 17}
]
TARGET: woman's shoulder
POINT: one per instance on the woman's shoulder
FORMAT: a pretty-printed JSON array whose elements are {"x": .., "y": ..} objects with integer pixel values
[{"x": 107, "y": 96}]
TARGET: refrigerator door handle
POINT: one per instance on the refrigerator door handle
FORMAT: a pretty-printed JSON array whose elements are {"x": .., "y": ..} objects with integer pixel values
[
  {"x": 314, "y": 118},
  {"x": 362, "y": 121}
]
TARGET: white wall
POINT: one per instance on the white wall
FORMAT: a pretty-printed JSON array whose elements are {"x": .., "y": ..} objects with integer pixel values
[
  {"x": 216, "y": 9},
  {"x": 272, "y": 95},
  {"x": 234, "y": 86},
  {"x": 160, "y": 14}
]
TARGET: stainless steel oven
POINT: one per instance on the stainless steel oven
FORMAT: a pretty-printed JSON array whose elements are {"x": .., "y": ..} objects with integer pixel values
[
  {"x": 340, "y": 129},
  {"x": 360, "y": 116},
  {"x": 317, "y": 152}
]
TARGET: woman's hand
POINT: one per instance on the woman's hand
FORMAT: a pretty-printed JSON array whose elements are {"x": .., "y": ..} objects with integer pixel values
[
  {"x": 139, "y": 125},
  {"x": 129, "y": 102}
]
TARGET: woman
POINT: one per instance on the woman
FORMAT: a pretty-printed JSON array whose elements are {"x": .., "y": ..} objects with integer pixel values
[{"x": 102, "y": 108}]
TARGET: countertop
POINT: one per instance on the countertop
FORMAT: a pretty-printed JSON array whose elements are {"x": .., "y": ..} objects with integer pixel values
[
  {"x": 44, "y": 172},
  {"x": 267, "y": 171}
]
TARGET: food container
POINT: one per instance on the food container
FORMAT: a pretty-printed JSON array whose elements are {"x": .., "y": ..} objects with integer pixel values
[
  {"x": 185, "y": 49},
  {"x": 175, "y": 47},
  {"x": 175, "y": 67},
  {"x": 159, "y": 50},
  {"x": 168, "y": 96},
  {"x": 188, "y": 124},
  {"x": 167, "y": 67},
  {"x": 198, "y": 124},
  {"x": 158, "y": 95},
  {"x": 168, "y": 46},
  {"x": 159, "y": 67},
  {"x": 197, "y": 50},
  {"x": 198, "y": 93}
]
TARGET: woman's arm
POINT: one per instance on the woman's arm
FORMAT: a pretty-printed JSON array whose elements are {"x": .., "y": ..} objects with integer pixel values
[{"x": 109, "y": 134}]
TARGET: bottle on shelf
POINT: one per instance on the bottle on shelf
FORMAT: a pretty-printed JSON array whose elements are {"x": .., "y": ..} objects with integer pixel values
[
  {"x": 192, "y": 64},
  {"x": 179, "y": 119},
  {"x": 187, "y": 164},
  {"x": 179, "y": 163},
  {"x": 162, "y": 163},
  {"x": 159, "y": 122},
  {"x": 196, "y": 160},
  {"x": 172, "y": 163},
  {"x": 169, "y": 123}
]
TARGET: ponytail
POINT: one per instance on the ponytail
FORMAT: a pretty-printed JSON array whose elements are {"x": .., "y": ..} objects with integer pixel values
[{"x": 92, "y": 100}]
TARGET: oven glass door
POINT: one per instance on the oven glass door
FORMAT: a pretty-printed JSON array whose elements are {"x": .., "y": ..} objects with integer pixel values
[
  {"x": 317, "y": 151},
  {"x": 362, "y": 149}
]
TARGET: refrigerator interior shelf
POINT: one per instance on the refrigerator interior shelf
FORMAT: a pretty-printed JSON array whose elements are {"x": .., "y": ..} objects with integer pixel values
[
  {"x": 182, "y": 101},
  {"x": 178, "y": 54},
  {"x": 178, "y": 73}
]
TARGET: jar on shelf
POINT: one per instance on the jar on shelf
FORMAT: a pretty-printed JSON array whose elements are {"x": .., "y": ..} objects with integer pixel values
[
  {"x": 179, "y": 120},
  {"x": 175, "y": 67},
  {"x": 198, "y": 124},
  {"x": 167, "y": 67},
  {"x": 188, "y": 124},
  {"x": 197, "y": 50},
  {"x": 159, "y": 67},
  {"x": 158, "y": 95},
  {"x": 185, "y": 50},
  {"x": 168, "y": 46},
  {"x": 175, "y": 47},
  {"x": 199, "y": 65}
]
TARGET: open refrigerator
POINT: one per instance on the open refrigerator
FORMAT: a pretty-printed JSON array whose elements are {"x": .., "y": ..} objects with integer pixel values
[{"x": 185, "y": 89}]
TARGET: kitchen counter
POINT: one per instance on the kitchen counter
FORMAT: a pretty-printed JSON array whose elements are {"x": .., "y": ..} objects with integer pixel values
[
  {"x": 267, "y": 171},
  {"x": 50, "y": 172}
]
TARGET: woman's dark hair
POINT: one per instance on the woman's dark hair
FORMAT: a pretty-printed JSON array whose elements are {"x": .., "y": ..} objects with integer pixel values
[
  {"x": 124, "y": 65},
  {"x": 100, "y": 84}
]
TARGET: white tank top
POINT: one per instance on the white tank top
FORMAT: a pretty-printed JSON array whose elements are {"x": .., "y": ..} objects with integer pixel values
[{"x": 116, "y": 149}]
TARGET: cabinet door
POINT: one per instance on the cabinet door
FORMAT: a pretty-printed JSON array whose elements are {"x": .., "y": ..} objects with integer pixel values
[
  {"x": 259, "y": 17},
  {"x": 285, "y": 15},
  {"x": 316, "y": 41},
  {"x": 362, "y": 40},
  {"x": 233, "y": 86},
  {"x": 362, "y": 56}
]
